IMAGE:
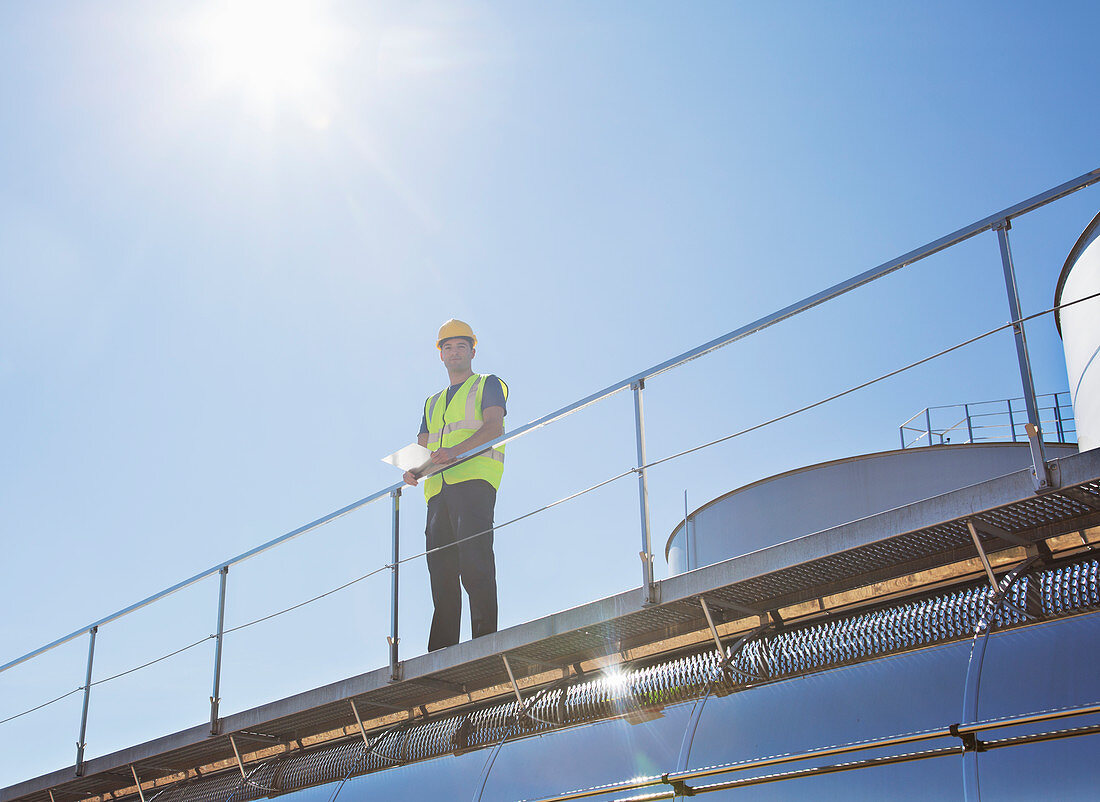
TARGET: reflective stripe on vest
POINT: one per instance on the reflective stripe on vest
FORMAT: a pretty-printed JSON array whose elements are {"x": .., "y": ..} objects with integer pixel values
[{"x": 450, "y": 424}]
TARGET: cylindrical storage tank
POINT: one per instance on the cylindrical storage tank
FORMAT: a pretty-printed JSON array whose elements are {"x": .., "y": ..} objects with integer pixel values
[
  {"x": 808, "y": 500},
  {"x": 1079, "y": 326}
]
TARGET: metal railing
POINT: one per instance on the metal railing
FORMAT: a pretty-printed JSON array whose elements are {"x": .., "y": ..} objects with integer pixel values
[
  {"x": 1000, "y": 421},
  {"x": 1000, "y": 222}
]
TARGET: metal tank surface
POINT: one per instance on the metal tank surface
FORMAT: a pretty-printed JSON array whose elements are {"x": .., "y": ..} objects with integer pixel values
[
  {"x": 1079, "y": 326},
  {"x": 832, "y": 493}
]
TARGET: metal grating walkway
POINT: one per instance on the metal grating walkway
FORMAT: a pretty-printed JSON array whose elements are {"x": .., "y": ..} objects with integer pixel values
[{"x": 896, "y": 543}]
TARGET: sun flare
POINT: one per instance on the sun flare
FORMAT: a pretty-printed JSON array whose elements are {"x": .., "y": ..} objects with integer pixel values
[{"x": 270, "y": 52}]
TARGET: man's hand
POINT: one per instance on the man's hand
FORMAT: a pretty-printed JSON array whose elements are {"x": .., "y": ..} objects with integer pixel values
[
  {"x": 491, "y": 429},
  {"x": 410, "y": 478},
  {"x": 445, "y": 456}
]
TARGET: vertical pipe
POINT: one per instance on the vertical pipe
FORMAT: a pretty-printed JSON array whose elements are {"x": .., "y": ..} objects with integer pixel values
[
  {"x": 215, "y": 695},
  {"x": 689, "y": 540},
  {"x": 928, "y": 423},
  {"x": 1034, "y": 430},
  {"x": 971, "y": 792},
  {"x": 80, "y": 743},
  {"x": 969, "y": 426},
  {"x": 648, "y": 589},
  {"x": 901, "y": 431},
  {"x": 685, "y": 513},
  {"x": 394, "y": 580}
]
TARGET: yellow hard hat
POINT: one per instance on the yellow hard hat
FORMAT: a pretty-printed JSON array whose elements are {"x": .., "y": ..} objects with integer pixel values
[{"x": 455, "y": 328}]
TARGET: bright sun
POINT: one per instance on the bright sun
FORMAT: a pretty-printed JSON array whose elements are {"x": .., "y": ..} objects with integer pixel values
[{"x": 271, "y": 52}]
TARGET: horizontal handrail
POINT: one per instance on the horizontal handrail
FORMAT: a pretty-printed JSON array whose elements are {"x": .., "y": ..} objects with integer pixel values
[
  {"x": 1057, "y": 404},
  {"x": 585, "y": 491},
  {"x": 1062, "y": 420},
  {"x": 1062, "y": 405},
  {"x": 836, "y": 290},
  {"x": 944, "y": 430},
  {"x": 986, "y": 224}
]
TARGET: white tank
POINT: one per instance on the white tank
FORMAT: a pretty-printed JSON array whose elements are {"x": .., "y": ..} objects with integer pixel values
[
  {"x": 1079, "y": 326},
  {"x": 808, "y": 500}
]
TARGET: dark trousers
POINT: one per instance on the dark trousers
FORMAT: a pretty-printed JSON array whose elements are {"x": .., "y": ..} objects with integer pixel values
[{"x": 455, "y": 513}]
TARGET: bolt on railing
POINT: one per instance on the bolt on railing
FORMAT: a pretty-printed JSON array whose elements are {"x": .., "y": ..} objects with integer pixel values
[{"x": 999, "y": 222}]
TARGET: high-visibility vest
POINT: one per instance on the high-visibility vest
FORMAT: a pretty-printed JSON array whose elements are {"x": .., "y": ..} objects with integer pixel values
[{"x": 451, "y": 423}]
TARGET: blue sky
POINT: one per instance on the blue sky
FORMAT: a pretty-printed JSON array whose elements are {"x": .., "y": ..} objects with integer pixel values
[{"x": 220, "y": 281}]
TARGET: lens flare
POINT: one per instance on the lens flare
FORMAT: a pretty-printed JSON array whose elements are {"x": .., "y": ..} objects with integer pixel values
[{"x": 270, "y": 52}]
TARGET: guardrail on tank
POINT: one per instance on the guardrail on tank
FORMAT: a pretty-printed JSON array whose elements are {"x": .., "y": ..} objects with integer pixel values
[
  {"x": 999, "y": 222},
  {"x": 999, "y": 421}
]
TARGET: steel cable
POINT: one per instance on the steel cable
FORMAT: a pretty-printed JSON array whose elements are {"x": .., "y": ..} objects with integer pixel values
[
  {"x": 868, "y": 383},
  {"x": 152, "y": 662},
  {"x": 307, "y": 601},
  {"x": 108, "y": 679},
  {"x": 578, "y": 494},
  {"x": 44, "y": 704},
  {"x": 590, "y": 489}
]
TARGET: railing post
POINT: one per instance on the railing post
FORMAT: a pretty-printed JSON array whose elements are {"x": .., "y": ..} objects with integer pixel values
[
  {"x": 969, "y": 427},
  {"x": 1058, "y": 419},
  {"x": 215, "y": 696},
  {"x": 1011, "y": 421},
  {"x": 80, "y": 743},
  {"x": 393, "y": 639},
  {"x": 1034, "y": 430},
  {"x": 928, "y": 423},
  {"x": 648, "y": 588}
]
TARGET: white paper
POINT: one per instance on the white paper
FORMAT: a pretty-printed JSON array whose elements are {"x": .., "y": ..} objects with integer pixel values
[{"x": 413, "y": 457}]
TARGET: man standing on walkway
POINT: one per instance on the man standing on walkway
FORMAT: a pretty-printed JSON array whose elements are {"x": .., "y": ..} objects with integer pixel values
[{"x": 461, "y": 498}]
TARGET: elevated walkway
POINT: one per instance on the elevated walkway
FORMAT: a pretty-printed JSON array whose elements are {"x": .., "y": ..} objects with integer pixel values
[{"x": 881, "y": 556}]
